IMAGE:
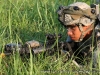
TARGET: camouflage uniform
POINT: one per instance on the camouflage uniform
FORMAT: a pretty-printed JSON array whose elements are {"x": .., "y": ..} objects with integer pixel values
[{"x": 82, "y": 14}]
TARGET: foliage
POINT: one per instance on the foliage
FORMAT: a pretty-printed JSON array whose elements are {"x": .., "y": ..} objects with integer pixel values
[{"x": 24, "y": 20}]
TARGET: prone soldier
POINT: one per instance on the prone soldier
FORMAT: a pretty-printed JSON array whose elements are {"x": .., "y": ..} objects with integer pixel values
[{"x": 82, "y": 23}]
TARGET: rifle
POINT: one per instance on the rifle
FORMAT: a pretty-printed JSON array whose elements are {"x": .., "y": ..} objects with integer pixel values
[{"x": 36, "y": 47}]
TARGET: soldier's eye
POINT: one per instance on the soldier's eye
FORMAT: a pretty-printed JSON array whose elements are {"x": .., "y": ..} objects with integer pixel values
[{"x": 71, "y": 27}]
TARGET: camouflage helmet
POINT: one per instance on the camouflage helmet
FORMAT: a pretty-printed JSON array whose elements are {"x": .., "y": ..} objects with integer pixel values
[{"x": 77, "y": 13}]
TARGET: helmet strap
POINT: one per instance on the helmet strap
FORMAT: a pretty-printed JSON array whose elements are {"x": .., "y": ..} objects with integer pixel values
[{"x": 84, "y": 32}]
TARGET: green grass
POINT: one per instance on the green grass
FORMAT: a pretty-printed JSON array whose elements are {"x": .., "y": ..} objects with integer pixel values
[{"x": 24, "y": 20}]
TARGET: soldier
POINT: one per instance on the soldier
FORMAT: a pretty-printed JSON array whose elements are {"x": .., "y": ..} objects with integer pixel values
[
  {"x": 82, "y": 26},
  {"x": 82, "y": 23}
]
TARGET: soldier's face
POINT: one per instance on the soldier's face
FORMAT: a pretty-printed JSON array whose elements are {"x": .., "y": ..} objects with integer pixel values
[{"x": 75, "y": 33}]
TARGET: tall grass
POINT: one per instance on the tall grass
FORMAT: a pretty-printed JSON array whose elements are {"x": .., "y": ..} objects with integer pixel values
[{"x": 24, "y": 20}]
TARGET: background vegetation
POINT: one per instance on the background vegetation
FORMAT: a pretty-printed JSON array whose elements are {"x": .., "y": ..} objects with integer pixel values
[{"x": 24, "y": 20}]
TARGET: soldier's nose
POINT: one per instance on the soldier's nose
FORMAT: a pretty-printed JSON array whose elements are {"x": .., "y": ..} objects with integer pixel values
[{"x": 69, "y": 33}]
